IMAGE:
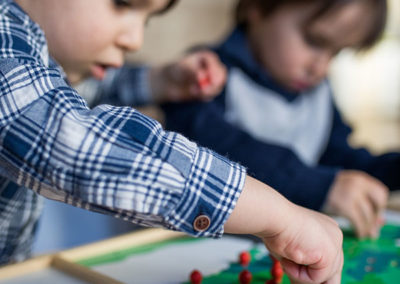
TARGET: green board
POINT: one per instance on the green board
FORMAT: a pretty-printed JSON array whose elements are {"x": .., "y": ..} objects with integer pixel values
[{"x": 372, "y": 261}]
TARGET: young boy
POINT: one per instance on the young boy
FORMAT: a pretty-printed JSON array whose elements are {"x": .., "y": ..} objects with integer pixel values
[
  {"x": 276, "y": 115},
  {"x": 116, "y": 161}
]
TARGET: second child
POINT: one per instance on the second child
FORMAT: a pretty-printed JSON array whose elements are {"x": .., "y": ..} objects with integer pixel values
[{"x": 277, "y": 116}]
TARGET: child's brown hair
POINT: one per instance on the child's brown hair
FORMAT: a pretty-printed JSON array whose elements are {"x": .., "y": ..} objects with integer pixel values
[{"x": 269, "y": 6}]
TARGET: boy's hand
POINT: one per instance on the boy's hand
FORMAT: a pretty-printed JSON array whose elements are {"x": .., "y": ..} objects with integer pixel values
[
  {"x": 197, "y": 76},
  {"x": 361, "y": 198},
  {"x": 309, "y": 248},
  {"x": 308, "y": 244}
]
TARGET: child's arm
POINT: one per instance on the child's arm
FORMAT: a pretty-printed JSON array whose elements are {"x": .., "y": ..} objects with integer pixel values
[
  {"x": 359, "y": 194},
  {"x": 108, "y": 159},
  {"x": 308, "y": 243},
  {"x": 199, "y": 75}
]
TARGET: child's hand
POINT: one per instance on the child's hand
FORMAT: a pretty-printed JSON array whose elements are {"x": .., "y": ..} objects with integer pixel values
[
  {"x": 309, "y": 248},
  {"x": 197, "y": 76},
  {"x": 308, "y": 243},
  {"x": 361, "y": 198}
]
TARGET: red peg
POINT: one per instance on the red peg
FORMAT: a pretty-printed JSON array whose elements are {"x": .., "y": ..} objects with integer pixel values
[
  {"x": 245, "y": 277},
  {"x": 244, "y": 258},
  {"x": 196, "y": 277}
]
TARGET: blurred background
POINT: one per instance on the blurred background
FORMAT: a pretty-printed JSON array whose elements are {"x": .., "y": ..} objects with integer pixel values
[{"x": 366, "y": 86}]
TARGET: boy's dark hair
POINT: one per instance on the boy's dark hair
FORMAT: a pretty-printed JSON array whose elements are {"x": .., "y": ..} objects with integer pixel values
[{"x": 269, "y": 6}]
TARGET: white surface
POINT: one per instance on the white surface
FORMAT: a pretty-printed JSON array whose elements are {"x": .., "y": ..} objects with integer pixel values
[
  {"x": 391, "y": 217},
  {"x": 174, "y": 263}
]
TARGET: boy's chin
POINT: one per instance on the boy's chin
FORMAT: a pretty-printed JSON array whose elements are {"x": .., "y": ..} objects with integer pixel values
[{"x": 76, "y": 78}]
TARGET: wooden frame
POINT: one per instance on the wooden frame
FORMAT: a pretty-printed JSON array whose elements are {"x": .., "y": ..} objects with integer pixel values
[
  {"x": 65, "y": 261},
  {"x": 55, "y": 262},
  {"x": 135, "y": 239}
]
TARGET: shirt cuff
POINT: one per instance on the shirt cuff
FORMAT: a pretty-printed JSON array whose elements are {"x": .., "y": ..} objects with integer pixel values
[{"x": 211, "y": 192}]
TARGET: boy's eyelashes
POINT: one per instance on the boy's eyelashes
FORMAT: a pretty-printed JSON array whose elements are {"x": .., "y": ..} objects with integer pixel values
[
  {"x": 131, "y": 3},
  {"x": 123, "y": 3}
]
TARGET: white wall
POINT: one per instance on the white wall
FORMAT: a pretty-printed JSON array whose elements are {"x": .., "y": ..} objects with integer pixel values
[{"x": 367, "y": 88}]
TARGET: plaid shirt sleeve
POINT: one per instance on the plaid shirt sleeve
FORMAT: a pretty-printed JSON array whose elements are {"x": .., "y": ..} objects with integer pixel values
[{"x": 107, "y": 159}]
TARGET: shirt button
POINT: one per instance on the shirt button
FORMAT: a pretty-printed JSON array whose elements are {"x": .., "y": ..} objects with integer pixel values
[{"x": 201, "y": 223}]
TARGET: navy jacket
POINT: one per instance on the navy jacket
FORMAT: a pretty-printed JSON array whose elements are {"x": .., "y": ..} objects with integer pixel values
[{"x": 295, "y": 142}]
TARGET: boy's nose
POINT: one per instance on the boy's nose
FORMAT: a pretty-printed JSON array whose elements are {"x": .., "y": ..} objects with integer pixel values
[{"x": 131, "y": 39}]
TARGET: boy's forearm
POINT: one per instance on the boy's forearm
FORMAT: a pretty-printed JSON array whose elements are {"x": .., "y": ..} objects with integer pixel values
[{"x": 260, "y": 210}]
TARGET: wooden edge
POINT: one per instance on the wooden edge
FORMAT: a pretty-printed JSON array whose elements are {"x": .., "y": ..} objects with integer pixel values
[
  {"x": 394, "y": 201},
  {"x": 134, "y": 239},
  {"x": 81, "y": 272},
  {"x": 25, "y": 267}
]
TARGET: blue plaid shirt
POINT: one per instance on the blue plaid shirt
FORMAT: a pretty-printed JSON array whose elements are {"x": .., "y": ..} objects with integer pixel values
[{"x": 112, "y": 160}]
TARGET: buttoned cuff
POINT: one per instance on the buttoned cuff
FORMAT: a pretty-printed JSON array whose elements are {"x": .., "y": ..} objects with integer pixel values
[{"x": 211, "y": 192}]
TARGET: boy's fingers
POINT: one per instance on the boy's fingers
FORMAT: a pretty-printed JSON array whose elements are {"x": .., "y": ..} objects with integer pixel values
[
  {"x": 294, "y": 271},
  {"x": 306, "y": 274},
  {"x": 217, "y": 73},
  {"x": 378, "y": 195},
  {"x": 368, "y": 214},
  {"x": 212, "y": 73},
  {"x": 357, "y": 221}
]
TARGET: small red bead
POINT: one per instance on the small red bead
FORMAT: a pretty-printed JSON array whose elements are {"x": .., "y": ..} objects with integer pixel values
[
  {"x": 277, "y": 271},
  {"x": 245, "y": 277},
  {"x": 244, "y": 258},
  {"x": 196, "y": 277}
]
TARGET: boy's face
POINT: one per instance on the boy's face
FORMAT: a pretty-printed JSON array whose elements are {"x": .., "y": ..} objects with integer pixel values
[
  {"x": 87, "y": 36},
  {"x": 297, "y": 52}
]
